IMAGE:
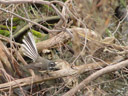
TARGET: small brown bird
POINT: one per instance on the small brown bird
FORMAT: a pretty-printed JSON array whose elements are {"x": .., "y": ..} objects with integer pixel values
[{"x": 30, "y": 50}]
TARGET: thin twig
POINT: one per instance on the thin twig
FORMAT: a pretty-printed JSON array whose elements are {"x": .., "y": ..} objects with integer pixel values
[{"x": 48, "y": 30}]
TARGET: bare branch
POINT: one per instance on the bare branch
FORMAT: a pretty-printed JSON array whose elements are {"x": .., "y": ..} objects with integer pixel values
[
  {"x": 24, "y": 1},
  {"x": 53, "y": 75},
  {"x": 34, "y": 1},
  {"x": 96, "y": 75},
  {"x": 48, "y": 30}
]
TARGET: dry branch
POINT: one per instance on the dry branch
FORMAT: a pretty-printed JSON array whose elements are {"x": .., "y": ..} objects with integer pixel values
[
  {"x": 60, "y": 38},
  {"x": 22, "y": 30},
  {"x": 4, "y": 58},
  {"x": 33, "y": 1},
  {"x": 28, "y": 20},
  {"x": 64, "y": 36},
  {"x": 53, "y": 75},
  {"x": 96, "y": 75}
]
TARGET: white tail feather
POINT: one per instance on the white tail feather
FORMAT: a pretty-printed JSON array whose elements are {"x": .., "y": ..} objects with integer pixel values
[{"x": 29, "y": 47}]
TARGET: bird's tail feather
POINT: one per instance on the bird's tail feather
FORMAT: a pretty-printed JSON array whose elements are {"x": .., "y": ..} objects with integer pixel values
[{"x": 29, "y": 47}]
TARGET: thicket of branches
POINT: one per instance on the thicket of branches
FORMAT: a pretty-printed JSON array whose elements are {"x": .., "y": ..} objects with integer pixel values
[{"x": 84, "y": 38}]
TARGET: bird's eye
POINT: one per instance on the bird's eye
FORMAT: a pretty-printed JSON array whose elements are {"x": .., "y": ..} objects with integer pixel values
[{"x": 52, "y": 64}]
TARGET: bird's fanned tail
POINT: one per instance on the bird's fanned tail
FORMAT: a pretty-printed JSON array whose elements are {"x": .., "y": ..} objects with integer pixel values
[{"x": 29, "y": 47}]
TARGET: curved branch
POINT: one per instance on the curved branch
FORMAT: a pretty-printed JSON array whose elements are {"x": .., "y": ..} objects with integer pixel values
[
  {"x": 17, "y": 34},
  {"x": 53, "y": 75},
  {"x": 48, "y": 30},
  {"x": 96, "y": 75},
  {"x": 59, "y": 38},
  {"x": 34, "y": 1}
]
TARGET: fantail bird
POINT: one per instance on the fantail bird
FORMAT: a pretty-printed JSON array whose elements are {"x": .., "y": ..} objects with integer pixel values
[{"x": 30, "y": 50}]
